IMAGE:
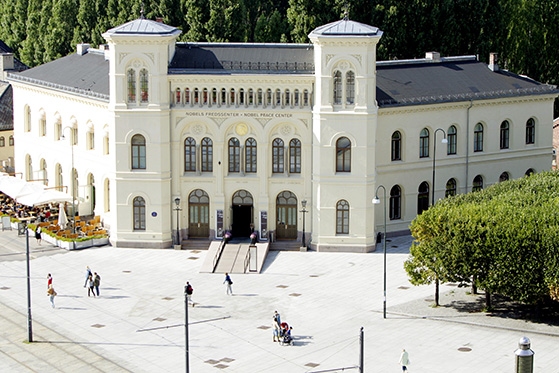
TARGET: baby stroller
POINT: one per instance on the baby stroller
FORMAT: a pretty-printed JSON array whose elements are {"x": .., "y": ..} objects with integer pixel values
[{"x": 285, "y": 334}]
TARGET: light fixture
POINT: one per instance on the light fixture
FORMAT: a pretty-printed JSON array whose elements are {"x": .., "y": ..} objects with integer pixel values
[{"x": 376, "y": 201}]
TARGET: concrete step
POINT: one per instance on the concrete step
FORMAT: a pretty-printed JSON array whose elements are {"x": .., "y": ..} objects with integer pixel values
[
  {"x": 287, "y": 245},
  {"x": 195, "y": 244}
]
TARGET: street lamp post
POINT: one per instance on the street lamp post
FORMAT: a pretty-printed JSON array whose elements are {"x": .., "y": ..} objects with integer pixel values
[
  {"x": 73, "y": 179},
  {"x": 304, "y": 211},
  {"x": 444, "y": 141},
  {"x": 29, "y": 320},
  {"x": 376, "y": 201},
  {"x": 178, "y": 209}
]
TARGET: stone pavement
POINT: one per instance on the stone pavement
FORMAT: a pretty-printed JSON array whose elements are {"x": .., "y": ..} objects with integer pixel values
[{"x": 137, "y": 323}]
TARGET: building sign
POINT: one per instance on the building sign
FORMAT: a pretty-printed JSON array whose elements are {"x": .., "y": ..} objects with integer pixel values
[
  {"x": 154, "y": 214},
  {"x": 219, "y": 223},
  {"x": 264, "y": 225},
  {"x": 218, "y": 114}
]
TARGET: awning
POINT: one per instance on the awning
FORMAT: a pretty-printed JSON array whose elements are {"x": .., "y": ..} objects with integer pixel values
[
  {"x": 44, "y": 197},
  {"x": 31, "y": 193}
]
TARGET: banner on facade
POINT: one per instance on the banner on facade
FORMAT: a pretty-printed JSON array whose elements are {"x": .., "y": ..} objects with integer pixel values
[
  {"x": 219, "y": 224},
  {"x": 264, "y": 225}
]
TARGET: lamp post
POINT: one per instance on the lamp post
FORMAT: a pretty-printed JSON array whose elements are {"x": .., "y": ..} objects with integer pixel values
[
  {"x": 178, "y": 209},
  {"x": 73, "y": 179},
  {"x": 444, "y": 141},
  {"x": 29, "y": 320},
  {"x": 376, "y": 201},
  {"x": 304, "y": 211}
]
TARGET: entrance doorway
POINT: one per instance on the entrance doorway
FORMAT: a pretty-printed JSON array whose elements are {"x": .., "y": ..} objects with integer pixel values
[
  {"x": 198, "y": 214},
  {"x": 242, "y": 214},
  {"x": 286, "y": 215}
]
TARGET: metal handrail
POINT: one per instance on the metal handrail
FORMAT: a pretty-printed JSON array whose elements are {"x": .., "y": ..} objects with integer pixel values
[
  {"x": 247, "y": 260},
  {"x": 218, "y": 255}
]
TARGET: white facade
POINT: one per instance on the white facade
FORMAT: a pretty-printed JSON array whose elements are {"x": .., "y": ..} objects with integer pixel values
[{"x": 291, "y": 128}]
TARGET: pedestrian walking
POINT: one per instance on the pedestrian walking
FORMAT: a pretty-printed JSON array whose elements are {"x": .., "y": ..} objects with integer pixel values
[
  {"x": 404, "y": 360},
  {"x": 276, "y": 327},
  {"x": 38, "y": 234},
  {"x": 87, "y": 275},
  {"x": 96, "y": 282},
  {"x": 90, "y": 286},
  {"x": 49, "y": 281},
  {"x": 51, "y": 293},
  {"x": 229, "y": 283},
  {"x": 189, "y": 290}
]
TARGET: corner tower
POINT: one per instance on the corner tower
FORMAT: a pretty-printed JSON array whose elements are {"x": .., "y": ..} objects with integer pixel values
[{"x": 344, "y": 129}]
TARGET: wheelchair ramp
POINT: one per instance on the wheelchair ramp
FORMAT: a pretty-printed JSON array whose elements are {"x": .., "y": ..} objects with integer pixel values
[{"x": 234, "y": 258}]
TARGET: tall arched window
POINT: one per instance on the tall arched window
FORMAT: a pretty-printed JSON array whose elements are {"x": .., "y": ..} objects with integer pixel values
[
  {"x": 268, "y": 97},
  {"x": 138, "y": 152},
  {"x": 504, "y": 135},
  {"x": 395, "y": 203},
  {"x": 287, "y": 97},
  {"x": 234, "y": 155},
  {"x": 207, "y": 155},
  {"x": 259, "y": 97},
  {"x": 278, "y": 97},
  {"x": 205, "y": 97},
  {"x": 422, "y": 197},
  {"x": 350, "y": 88},
  {"x": 177, "y": 96},
  {"x": 214, "y": 96},
  {"x": 187, "y": 96},
  {"x": 277, "y": 156},
  {"x": 450, "y": 188},
  {"x": 504, "y": 177},
  {"x": 343, "y": 155},
  {"x": 424, "y": 143},
  {"x": 144, "y": 78},
  {"x": 196, "y": 99},
  {"x": 337, "y": 87},
  {"x": 42, "y": 126},
  {"x": 296, "y": 101},
  {"x": 478, "y": 183},
  {"x": 139, "y": 214},
  {"x": 107, "y": 196},
  {"x": 131, "y": 84},
  {"x": 189, "y": 155},
  {"x": 11, "y": 140},
  {"x": 232, "y": 95},
  {"x": 306, "y": 98},
  {"x": 250, "y": 100},
  {"x": 295, "y": 156},
  {"x": 2, "y": 141},
  {"x": 342, "y": 217},
  {"x": 27, "y": 119},
  {"x": 250, "y": 155},
  {"x": 478, "y": 137},
  {"x": 396, "y": 154},
  {"x": 452, "y": 137},
  {"x": 530, "y": 131},
  {"x": 241, "y": 96},
  {"x": 223, "y": 99}
]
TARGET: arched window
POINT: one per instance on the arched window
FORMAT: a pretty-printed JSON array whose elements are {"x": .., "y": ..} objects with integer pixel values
[
  {"x": 58, "y": 177},
  {"x": 106, "y": 144},
  {"x": 424, "y": 143},
  {"x": 138, "y": 152},
  {"x": 350, "y": 88},
  {"x": 42, "y": 127},
  {"x": 205, "y": 97},
  {"x": 223, "y": 97},
  {"x": 342, "y": 217},
  {"x": 187, "y": 96},
  {"x": 287, "y": 97},
  {"x": 11, "y": 140},
  {"x": 422, "y": 197},
  {"x": 207, "y": 155},
  {"x": 337, "y": 87},
  {"x": 131, "y": 84},
  {"x": 107, "y": 196},
  {"x": 278, "y": 97},
  {"x": 504, "y": 135},
  {"x": 189, "y": 155},
  {"x": 295, "y": 156},
  {"x": 241, "y": 96},
  {"x": 91, "y": 138},
  {"x": 2, "y": 141},
  {"x": 530, "y": 131},
  {"x": 196, "y": 99},
  {"x": 178, "y": 96},
  {"x": 395, "y": 203},
  {"x": 396, "y": 154},
  {"x": 250, "y": 97},
  {"x": 268, "y": 97},
  {"x": 296, "y": 100},
  {"x": 452, "y": 137},
  {"x": 529, "y": 172},
  {"x": 27, "y": 119},
  {"x": 305, "y": 97},
  {"x": 277, "y": 156},
  {"x": 250, "y": 155},
  {"x": 478, "y": 183},
  {"x": 343, "y": 155},
  {"x": 144, "y": 85},
  {"x": 450, "y": 188},
  {"x": 139, "y": 214},
  {"x": 214, "y": 96},
  {"x": 232, "y": 95},
  {"x": 478, "y": 138},
  {"x": 260, "y": 98},
  {"x": 504, "y": 177},
  {"x": 234, "y": 155}
]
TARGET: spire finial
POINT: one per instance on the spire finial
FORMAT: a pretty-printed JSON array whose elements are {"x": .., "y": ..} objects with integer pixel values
[{"x": 142, "y": 11}]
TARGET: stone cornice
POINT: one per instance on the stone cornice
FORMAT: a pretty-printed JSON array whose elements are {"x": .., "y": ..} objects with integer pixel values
[{"x": 68, "y": 96}]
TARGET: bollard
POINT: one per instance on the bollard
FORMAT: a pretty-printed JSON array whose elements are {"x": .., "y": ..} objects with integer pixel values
[{"x": 524, "y": 357}]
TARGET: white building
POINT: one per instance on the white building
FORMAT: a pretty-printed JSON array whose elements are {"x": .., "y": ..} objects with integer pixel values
[{"x": 241, "y": 134}]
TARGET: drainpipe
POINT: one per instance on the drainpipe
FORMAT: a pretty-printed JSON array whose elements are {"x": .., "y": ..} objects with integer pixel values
[{"x": 467, "y": 143}]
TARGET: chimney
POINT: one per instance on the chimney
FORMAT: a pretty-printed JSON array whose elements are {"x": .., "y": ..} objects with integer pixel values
[
  {"x": 159, "y": 19},
  {"x": 433, "y": 56},
  {"x": 82, "y": 48},
  {"x": 6, "y": 61},
  {"x": 493, "y": 65},
  {"x": 105, "y": 49}
]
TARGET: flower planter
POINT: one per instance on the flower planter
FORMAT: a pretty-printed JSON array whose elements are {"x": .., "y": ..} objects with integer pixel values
[
  {"x": 82, "y": 244},
  {"x": 100, "y": 241},
  {"x": 68, "y": 245},
  {"x": 49, "y": 239}
]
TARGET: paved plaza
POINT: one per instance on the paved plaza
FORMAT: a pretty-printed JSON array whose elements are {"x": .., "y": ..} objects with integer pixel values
[{"x": 137, "y": 324}]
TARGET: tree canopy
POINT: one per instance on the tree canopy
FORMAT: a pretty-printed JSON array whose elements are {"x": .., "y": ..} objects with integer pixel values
[{"x": 502, "y": 239}]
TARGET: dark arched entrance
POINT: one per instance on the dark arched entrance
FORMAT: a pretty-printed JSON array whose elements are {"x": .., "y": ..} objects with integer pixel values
[
  {"x": 242, "y": 214},
  {"x": 286, "y": 215}
]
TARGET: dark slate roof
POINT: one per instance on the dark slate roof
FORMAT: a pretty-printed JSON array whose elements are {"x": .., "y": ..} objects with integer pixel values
[
  {"x": 452, "y": 79},
  {"x": 142, "y": 26},
  {"x": 345, "y": 27},
  {"x": 228, "y": 57},
  {"x": 86, "y": 75},
  {"x": 18, "y": 65},
  {"x": 6, "y": 107}
]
